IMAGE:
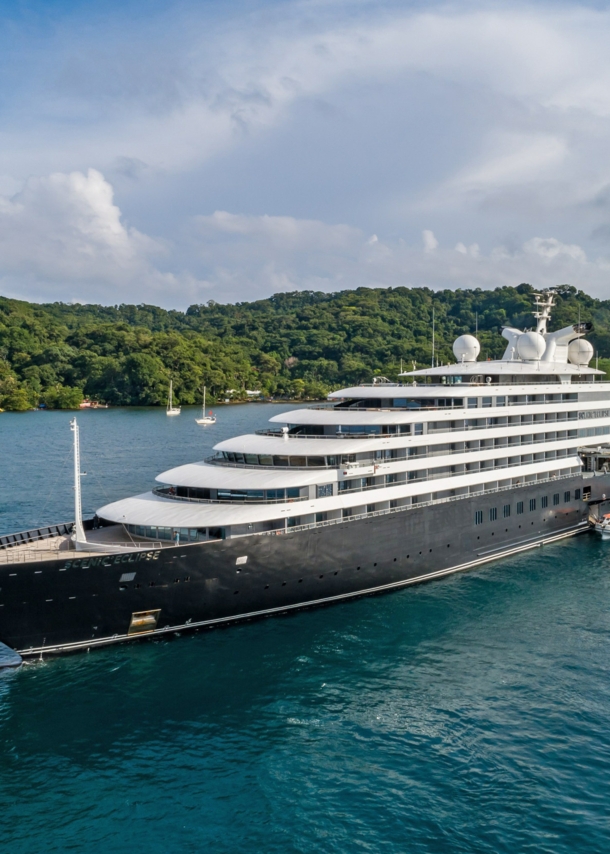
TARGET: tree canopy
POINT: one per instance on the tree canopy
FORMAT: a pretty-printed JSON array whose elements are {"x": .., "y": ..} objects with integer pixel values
[{"x": 299, "y": 344}]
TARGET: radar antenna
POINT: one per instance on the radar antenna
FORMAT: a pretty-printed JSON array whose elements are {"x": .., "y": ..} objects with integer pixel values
[{"x": 544, "y": 303}]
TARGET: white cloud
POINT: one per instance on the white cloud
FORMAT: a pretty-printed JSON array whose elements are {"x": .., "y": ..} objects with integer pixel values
[
  {"x": 550, "y": 248},
  {"x": 430, "y": 241},
  {"x": 64, "y": 235},
  {"x": 256, "y": 259}
]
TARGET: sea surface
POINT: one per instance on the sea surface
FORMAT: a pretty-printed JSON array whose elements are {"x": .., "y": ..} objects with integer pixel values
[{"x": 470, "y": 714}]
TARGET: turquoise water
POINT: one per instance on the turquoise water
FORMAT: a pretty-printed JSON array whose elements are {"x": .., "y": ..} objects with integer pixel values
[{"x": 467, "y": 715}]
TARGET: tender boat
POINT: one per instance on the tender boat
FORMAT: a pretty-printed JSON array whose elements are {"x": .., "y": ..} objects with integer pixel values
[{"x": 602, "y": 526}]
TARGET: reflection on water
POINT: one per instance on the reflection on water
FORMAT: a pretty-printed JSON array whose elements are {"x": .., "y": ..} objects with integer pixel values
[{"x": 467, "y": 715}]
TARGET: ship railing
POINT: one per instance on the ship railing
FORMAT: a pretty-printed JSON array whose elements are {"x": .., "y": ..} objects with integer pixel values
[
  {"x": 329, "y": 522},
  {"x": 25, "y": 555},
  {"x": 463, "y": 428},
  {"x": 47, "y": 532}
]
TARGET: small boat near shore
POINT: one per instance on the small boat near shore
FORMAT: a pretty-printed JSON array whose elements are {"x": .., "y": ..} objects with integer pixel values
[{"x": 205, "y": 419}]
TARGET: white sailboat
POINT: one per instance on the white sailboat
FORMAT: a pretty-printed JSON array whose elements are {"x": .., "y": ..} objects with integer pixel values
[
  {"x": 171, "y": 409},
  {"x": 205, "y": 419}
]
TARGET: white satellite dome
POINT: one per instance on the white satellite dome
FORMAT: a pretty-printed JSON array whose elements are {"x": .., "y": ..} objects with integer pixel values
[
  {"x": 531, "y": 346},
  {"x": 466, "y": 348},
  {"x": 580, "y": 352}
]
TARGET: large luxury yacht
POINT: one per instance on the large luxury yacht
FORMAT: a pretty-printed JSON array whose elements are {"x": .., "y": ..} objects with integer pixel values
[{"x": 385, "y": 485}]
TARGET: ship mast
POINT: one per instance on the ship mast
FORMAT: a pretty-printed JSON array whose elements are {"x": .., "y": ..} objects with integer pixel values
[
  {"x": 79, "y": 534},
  {"x": 544, "y": 304}
]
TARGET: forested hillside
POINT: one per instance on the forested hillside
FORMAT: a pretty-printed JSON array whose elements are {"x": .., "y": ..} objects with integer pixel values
[{"x": 299, "y": 344}]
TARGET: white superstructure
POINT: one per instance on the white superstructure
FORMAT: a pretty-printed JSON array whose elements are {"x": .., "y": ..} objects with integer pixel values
[{"x": 446, "y": 432}]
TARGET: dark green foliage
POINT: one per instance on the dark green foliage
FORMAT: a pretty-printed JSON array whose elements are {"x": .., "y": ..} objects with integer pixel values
[{"x": 298, "y": 344}]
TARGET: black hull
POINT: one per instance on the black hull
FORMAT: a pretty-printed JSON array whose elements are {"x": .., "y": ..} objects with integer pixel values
[{"x": 81, "y": 602}]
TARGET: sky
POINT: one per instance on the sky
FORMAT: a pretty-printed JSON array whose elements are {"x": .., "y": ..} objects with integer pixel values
[{"x": 173, "y": 153}]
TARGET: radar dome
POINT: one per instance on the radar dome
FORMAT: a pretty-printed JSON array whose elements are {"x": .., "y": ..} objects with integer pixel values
[
  {"x": 580, "y": 352},
  {"x": 466, "y": 348},
  {"x": 531, "y": 346}
]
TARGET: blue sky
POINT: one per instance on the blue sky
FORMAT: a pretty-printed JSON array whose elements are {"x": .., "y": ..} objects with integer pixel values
[{"x": 174, "y": 153}]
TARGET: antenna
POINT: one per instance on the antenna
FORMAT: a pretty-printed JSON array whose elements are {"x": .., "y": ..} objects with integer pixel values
[
  {"x": 432, "y": 336},
  {"x": 79, "y": 533}
]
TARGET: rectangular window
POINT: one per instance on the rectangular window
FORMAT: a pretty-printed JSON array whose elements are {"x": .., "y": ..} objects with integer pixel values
[
  {"x": 478, "y": 517},
  {"x": 556, "y": 499},
  {"x": 418, "y": 429},
  {"x": 577, "y": 494},
  {"x": 347, "y": 512},
  {"x": 315, "y": 462},
  {"x": 519, "y": 508},
  {"x": 265, "y": 460},
  {"x": 566, "y": 497},
  {"x": 391, "y": 478},
  {"x": 251, "y": 459},
  {"x": 506, "y": 511},
  {"x": 321, "y": 517},
  {"x": 324, "y": 490},
  {"x": 370, "y": 508},
  {"x": 493, "y": 514},
  {"x": 293, "y": 492},
  {"x": 500, "y": 401},
  {"x": 544, "y": 502},
  {"x": 487, "y": 402},
  {"x": 532, "y": 504},
  {"x": 472, "y": 402}
]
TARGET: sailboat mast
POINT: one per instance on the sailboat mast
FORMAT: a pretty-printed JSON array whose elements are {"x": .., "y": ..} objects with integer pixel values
[{"x": 79, "y": 533}]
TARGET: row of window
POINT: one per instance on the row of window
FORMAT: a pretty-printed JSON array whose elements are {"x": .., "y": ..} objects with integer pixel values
[
  {"x": 155, "y": 532},
  {"x": 520, "y": 506},
  {"x": 459, "y": 402},
  {"x": 335, "y": 461}
]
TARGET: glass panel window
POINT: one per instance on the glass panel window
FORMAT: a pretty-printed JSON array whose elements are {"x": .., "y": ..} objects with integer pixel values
[
  {"x": 493, "y": 514},
  {"x": 276, "y": 494},
  {"x": 251, "y": 459},
  {"x": 506, "y": 511},
  {"x": 556, "y": 499},
  {"x": 544, "y": 502},
  {"x": 321, "y": 517},
  {"x": 300, "y": 462},
  {"x": 280, "y": 461},
  {"x": 265, "y": 460},
  {"x": 577, "y": 494},
  {"x": 566, "y": 496},
  {"x": 324, "y": 490},
  {"x": 315, "y": 461},
  {"x": 473, "y": 402},
  {"x": 391, "y": 478},
  {"x": 418, "y": 429},
  {"x": 151, "y": 532},
  {"x": 293, "y": 492},
  {"x": 478, "y": 517},
  {"x": 532, "y": 504},
  {"x": 487, "y": 401},
  {"x": 500, "y": 401},
  {"x": 519, "y": 507},
  {"x": 347, "y": 512}
]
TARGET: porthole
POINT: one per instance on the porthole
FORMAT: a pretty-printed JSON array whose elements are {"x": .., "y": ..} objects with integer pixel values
[
  {"x": 321, "y": 576},
  {"x": 374, "y": 564},
  {"x": 235, "y": 592},
  {"x": 394, "y": 560},
  {"x": 266, "y": 587}
]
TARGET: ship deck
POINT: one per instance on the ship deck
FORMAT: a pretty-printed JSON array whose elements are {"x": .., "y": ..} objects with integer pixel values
[{"x": 58, "y": 547}]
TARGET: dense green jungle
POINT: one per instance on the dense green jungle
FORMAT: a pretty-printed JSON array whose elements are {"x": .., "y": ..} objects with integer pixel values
[{"x": 293, "y": 345}]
